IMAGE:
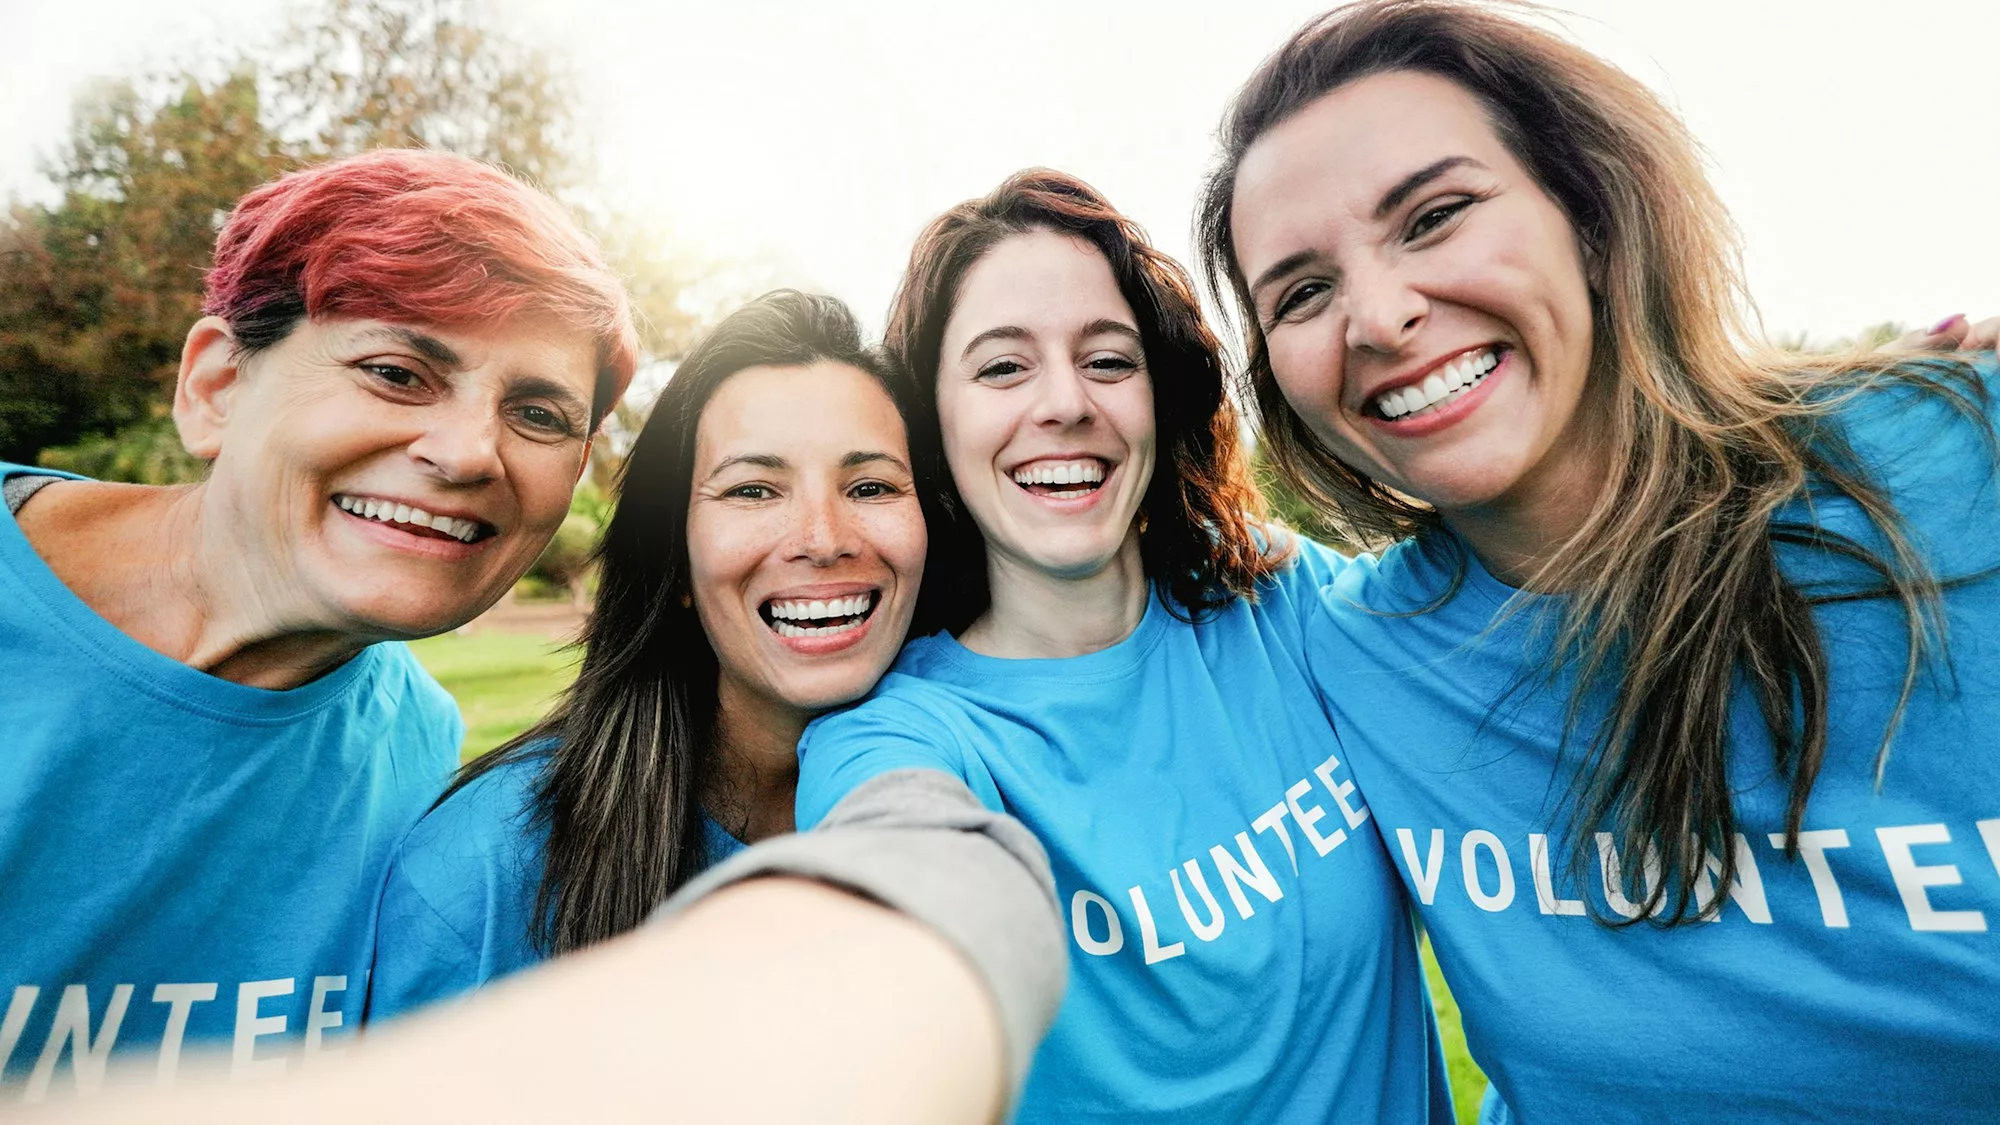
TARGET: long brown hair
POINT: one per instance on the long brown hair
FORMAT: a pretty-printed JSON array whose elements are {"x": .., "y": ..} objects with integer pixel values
[
  {"x": 1199, "y": 544},
  {"x": 622, "y": 758},
  {"x": 1674, "y": 592}
]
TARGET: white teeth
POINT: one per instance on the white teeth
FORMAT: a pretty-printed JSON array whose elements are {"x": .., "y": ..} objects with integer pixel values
[
  {"x": 386, "y": 511},
  {"x": 832, "y": 609},
  {"x": 1452, "y": 379},
  {"x": 1061, "y": 472}
]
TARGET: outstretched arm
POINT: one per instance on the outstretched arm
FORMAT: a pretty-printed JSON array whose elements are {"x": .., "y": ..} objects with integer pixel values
[{"x": 763, "y": 994}]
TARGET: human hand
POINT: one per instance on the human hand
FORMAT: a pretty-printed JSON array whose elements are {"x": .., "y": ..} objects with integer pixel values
[{"x": 1954, "y": 333}]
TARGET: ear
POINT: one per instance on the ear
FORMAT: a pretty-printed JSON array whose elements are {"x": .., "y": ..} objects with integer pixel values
[{"x": 208, "y": 379}]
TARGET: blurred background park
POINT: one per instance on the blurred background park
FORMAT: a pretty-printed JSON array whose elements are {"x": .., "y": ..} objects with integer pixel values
[{"x": 723, "y": 149}]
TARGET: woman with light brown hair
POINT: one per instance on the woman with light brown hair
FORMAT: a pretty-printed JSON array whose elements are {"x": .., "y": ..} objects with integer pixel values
[{"x": 1673, "y": 691}]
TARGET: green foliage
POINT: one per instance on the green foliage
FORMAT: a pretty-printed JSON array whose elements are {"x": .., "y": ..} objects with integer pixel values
[
  {"x": 1288, "y": 507},
  {"x": 565, "y": 565},
  {"x": 98, "y": 289},
  {"x": 147, "y": 453}
]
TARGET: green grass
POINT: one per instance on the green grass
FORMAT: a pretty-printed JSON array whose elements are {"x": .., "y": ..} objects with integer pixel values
[
  {"x": 504, "y": 682},
  {"x": 1468, "y": 1085}
]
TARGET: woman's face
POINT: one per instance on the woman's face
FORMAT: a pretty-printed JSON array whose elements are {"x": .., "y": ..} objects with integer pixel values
[
  {"x": 1423, "y": 301},
  {"x": 391, "y": 479},
  {"x": 1046, "y": 405},
  {"x": 805, "y": 538}
]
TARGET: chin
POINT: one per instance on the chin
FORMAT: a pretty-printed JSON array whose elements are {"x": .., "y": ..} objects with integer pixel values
[{"x": 412, "y": 618}]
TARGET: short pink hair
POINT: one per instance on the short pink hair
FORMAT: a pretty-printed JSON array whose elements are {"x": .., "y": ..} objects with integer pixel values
[{"x": 418, "y": 236}]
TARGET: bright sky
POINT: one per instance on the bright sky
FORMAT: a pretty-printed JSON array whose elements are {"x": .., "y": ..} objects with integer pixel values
[{"x": 1858, "y": 144}]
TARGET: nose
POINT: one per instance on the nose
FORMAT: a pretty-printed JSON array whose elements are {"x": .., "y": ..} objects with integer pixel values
[
  {"x": 1383, "y": 310},
  {"x": 826, "y": 532},
  {"x": 461, "y": 441},
  {"x": 1062, "y": 397}
]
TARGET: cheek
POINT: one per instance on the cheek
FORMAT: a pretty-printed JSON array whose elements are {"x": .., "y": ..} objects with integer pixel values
[{"x": 897, "y": 534}]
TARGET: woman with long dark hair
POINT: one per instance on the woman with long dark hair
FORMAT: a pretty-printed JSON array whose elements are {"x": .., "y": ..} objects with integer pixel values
[
  {"x": 1126, "y": 675},
  {"x": 1674, "y": 693},
  {"x": 763, "y": 565}
]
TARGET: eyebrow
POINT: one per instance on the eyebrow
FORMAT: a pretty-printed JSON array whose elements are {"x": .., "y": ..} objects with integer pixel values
[
  {"x": 760, "y": 460},
  {"x": 1417, "y": 179},
  {"x": 430, "y": 347},
  {"x": 1392, "y": 199},
  {"x": 869, "y": 457},
  {"x": 1096, "y": 327}
]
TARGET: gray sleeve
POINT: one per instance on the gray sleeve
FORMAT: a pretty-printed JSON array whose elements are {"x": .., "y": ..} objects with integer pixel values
[{"x": 918, "y": 842}]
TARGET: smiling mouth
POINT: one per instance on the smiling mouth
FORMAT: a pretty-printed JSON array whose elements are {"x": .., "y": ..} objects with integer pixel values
[
  {"x": 814, "y": 617},
  {"x": 1439, "y": 388},
  {"x": 1061, "y": 480},
  {"x": 415, "y": 521}
]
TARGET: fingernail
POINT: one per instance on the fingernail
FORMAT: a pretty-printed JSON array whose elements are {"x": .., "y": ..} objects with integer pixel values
[{"x": 1947, "y": 322}]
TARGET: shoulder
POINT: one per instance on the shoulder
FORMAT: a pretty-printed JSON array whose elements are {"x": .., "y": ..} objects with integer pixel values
[
  {"x": 422, "y": 705},
  {"x": 907, "y": 722},
  {"x": 486, "y": 822},
  {"x": 458, "y": 901},
  {"x": 1923, "y": 433}
]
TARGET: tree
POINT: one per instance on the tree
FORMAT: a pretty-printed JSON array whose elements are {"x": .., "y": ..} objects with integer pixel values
[{"x": 98, "y": 288}]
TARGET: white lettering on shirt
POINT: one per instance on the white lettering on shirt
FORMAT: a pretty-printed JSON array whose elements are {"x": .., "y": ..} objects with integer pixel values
[
  {"x": 1251, "y": 871},
  {"x": 1912, "y": 879},
  {"x": 1424, "y": 875},
  {"x": 1149, "y": 935},
  {"x": 1079, "y": 923},
  {"x": 1746, "y": 890},
  {"x": 71, "y": 1028},
  {"x": 1274, "y": 817},
  {"x": 182, "y": 998},
  {"x": 1211, "y": 929},
  {"x": 1813, "y": 847},
  {"x": 1545, "y": 887},
  {"x": 318, "y": 1019},
  {"x": 1502, "y": 897},
  {"x": 243, "y": 1060},
  {"x": 1309, "y": 815}
]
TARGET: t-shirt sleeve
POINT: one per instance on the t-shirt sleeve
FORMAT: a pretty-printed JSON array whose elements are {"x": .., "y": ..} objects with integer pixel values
[
  {"x": 420, "y": 957},
  {"x": 918, "y": 841},
  {"x": 842, "y": 751}
]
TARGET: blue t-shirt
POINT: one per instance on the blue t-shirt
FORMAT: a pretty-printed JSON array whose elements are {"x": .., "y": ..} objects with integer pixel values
[
  {"x": 1240, "y": 950},
  {"x": 1859, "y": 982},
  {"x": 458, "y": 907},
  {"x": 185, "y": 858}
]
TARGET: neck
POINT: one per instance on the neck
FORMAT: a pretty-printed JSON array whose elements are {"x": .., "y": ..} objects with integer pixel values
[
  {"x": 1517, "y": 534},
  {"x": 153, "y": 562},
  {"x": 1038, "y": 615},
  {"x": 752, "y": 790}
]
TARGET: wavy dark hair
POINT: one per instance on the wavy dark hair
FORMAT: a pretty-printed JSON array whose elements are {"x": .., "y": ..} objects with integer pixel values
[
  {"x": 627, "y": 750},
  {"x": 1200, "y": 546},
  {"x": 1674, "y": 597}
]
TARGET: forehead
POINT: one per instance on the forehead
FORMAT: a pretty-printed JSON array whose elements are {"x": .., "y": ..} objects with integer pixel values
[
  {"x": 797, "y": 412},
  {"x": 1345, "y": 150},
  {"x": 1039, "y": 280}
]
